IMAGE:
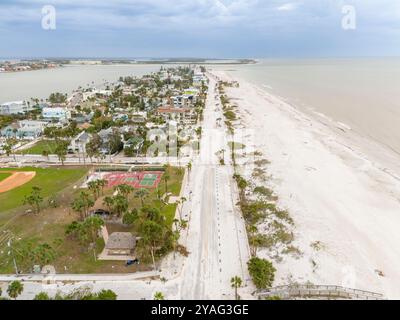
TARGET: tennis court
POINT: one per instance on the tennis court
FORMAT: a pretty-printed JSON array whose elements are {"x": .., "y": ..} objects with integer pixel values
[{"x": 137, "y": 180}]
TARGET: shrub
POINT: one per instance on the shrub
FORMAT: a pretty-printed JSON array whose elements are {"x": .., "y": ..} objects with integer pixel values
[{"x": 262, "y": 272}]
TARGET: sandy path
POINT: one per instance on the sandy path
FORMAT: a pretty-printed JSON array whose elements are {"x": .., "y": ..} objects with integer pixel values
[
  {"x": 335, "y": 196},
  {"x": 16, "y": 180}
]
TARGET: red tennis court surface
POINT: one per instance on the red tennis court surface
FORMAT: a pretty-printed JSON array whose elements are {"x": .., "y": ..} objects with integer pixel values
[{"x": 143, "y": 179}]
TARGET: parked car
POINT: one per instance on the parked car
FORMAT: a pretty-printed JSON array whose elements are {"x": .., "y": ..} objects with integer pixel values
[{"x": 100, "y": 212}]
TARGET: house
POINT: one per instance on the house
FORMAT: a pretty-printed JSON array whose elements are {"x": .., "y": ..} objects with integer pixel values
[
  {"x": 15, "y": 107},
  {"x": 134, "y": 143},
  {"x": 120, "y": 244},
  {"x": 58, "y": 113},
  {"x": 78, "y": 144},
  {"x": 105, "y": 136},
  {"x": 139, "y": 117},
  {"x": 25, "y": 129},
  {"x": 186, "y": 115}
]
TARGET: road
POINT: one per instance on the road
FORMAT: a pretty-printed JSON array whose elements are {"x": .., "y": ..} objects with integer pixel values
[
  {"x": 217, "y": 241},
  {"x": 216, "y": 237}
]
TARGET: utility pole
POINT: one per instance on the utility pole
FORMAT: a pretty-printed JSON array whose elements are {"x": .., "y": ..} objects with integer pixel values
[{"x": 13, "y": 256}]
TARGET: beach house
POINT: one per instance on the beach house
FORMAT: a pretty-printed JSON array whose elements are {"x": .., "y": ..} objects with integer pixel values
[
  {"x": 59, "y": 114},
  {"x": 15, "y": 107},
  {"x": 78, "y": 144},
  {"x": 25, "y": 129}
]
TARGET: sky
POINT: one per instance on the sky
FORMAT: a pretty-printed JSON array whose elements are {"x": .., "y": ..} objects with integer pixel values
[{"x": 199, "y": 28}]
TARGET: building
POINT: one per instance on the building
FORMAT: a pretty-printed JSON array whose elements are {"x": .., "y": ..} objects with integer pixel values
[
  {"x": 58, "y": 113},
  {"x": 26, "y": 129},
  {"x": 78, "y": 144},
  {"x": 15, "y": 107},
  {"x": 120, "y": 244},
  {"x": 185, "y": 115}
]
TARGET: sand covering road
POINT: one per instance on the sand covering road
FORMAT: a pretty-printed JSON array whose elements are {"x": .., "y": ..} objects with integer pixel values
[{"x": 16, "y": 180}]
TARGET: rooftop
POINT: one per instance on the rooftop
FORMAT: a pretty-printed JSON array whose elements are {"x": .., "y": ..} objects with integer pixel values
[{"x": 121, "y": 240}]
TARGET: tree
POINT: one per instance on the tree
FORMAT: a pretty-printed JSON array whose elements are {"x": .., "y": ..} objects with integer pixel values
[
  {"x": 108, "y": 202},
  {"x": 82, "y": 204},
  {"x": 89, "y": 231},
  {"x": 159, "y": 296},
  {"x": 130, "y": 217},
  {"x": 236, "y": 282},
  {"x": 42, "y": 296},
  {"x": 125, "y": 189},
  {"x": 93, "y": 146},
  {"x": 34, "y": 199},
  {"x": 166, "y": 178},
  {"x": 262, "y": 272},
  {"x": 95, "y": 188},
  {"x": 180, "y": 203},
  {"x": 102, "y": 183},
  {"x": 15, "y": 289},
  {"x": 46, "y": 153},
  {"x": 106, "y": 295},
  {"x": 43, "y": 254},
  {"x": 120, "y": 205},
  {"x": 8, "y": 147},
  {"x": 152, "y": 237},
  {"x": 189, "y": 168},
  {"x": 61, "y": 150},
  {"x": 142, "y": 194}
]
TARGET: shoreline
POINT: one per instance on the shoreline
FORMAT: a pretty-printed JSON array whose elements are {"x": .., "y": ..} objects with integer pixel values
[{"x": 336, "y": 194}]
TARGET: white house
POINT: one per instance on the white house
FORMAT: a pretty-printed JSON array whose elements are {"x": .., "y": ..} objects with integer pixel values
[
  {"x": 58, "y": 113},
  {"x": 15, "y": 107},
  {"x": 78, "y": 144},
  {"x": 25, "y": 129}
]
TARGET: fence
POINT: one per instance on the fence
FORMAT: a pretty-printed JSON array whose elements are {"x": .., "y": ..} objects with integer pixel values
[{"x": 318, "y": 292}]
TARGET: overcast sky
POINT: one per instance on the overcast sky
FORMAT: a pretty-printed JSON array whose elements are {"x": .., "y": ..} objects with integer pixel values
[{"x": 199, "y": 28}]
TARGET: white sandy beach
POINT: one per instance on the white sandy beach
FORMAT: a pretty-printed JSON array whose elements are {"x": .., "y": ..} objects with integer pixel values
[{"x": 336, "y": 196}]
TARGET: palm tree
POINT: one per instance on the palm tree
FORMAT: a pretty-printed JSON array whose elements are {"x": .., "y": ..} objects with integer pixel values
[
  {"x": 102, "y": 183},
  {"x": 15, "y": 289},
  {"x": 94, "y": 187},
  {"x": 189, "y": 168},
  {"x": 159, "y": 296},
  {"x": 108, "y": 202},
  {"x": 166, "y": 178},
  {"x": 142, "y": 193},
  {"x": 125, "y": 189},
  {"x": 82, "y": 204},
  {"x": 46, "y": 153},
  {"x": 236, "y": 282},
  {"x": 180, "y": 206}
]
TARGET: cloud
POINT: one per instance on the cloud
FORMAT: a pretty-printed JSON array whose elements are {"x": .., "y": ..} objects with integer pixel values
[
  {"x": 221, "y": 27},
  {"x": 288, "y": 7}
]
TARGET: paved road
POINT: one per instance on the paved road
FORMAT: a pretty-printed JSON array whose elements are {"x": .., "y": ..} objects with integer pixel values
[{"x": 218, "y": 240}]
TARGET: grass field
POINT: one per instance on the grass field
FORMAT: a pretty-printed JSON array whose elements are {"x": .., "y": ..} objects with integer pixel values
[
  {"x": 50, "y": 180},
  {"x": 4, "y": 176},
  {"x": 50, "y": 224},
  {"x": 39, "y": 147}
]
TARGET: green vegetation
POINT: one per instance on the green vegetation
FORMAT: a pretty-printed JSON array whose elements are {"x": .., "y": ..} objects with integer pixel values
[
  {"x": 58, "y": 97},
  {"x": 80, "y": 294},
  {"x": 42, "y": 147},
  {"x": 4, "y": 176},
  {"x": 262, "y": 272},
  {"x": 49, "y": 180},
  {"x": 236, "y": 283},
  {"x": 15, "y": 289}
]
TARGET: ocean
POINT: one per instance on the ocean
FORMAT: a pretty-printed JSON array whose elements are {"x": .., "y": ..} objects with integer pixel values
[{"x": 358, "y": 94}]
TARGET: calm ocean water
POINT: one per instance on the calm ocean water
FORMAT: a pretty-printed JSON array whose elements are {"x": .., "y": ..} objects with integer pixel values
[
  {"x": 363, "y": 94},
  {"x": 41, "y": 83}
]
